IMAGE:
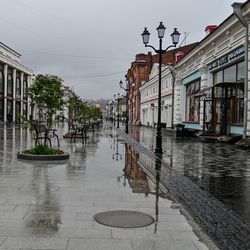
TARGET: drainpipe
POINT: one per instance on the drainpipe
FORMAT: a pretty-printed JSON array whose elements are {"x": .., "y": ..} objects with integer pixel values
[{"x": 238, "y": 13}]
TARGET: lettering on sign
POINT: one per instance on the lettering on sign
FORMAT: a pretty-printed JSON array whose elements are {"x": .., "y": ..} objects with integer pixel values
[{"x": 227, "y": 58}]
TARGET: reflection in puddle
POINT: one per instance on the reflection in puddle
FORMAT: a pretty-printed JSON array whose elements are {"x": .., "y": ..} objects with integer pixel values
[
  {"x": 141, "y": 179},
  {"x": 45, "y": 216}
]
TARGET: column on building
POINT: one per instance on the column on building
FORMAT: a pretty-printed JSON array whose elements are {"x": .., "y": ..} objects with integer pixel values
[
  {"x": 5, "y": 93},
  {"x": 29, "y": 110},
  {"x": 248, "y": 92},
  {"x": 177, "y": 101},
  {"x": 22, "y": 77},
  {"x": 203, "y": 74},
  {"x": 14, "y": 96}
]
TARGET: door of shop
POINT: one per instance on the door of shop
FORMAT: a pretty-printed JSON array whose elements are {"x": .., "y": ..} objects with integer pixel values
[{"x": 222, "y": 109}]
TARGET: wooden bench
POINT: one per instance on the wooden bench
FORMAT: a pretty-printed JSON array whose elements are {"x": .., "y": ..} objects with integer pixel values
[{"x": 43, "y": 133}]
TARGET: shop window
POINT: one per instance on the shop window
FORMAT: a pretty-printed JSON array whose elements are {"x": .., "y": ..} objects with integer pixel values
[
  {"x": 230, "y": 74},
  {"x": 1, "y": 83},
  {"x": 240, "y": 72},
  {"x": 193, "y": 102},
  {"x": 240, "y": 103},
  {"x": 235, "y": 91},
  {"x": 10, "y": 85},
  {"x": 218, "y": 77}
]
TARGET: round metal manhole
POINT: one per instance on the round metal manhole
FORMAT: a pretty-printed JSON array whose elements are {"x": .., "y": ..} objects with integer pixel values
[{"x": 124, "y": 219}]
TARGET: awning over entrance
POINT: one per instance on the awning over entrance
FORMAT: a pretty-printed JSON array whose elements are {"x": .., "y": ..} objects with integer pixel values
[
  {"x": 225, "y": 84},
  {"x": 203, "y": 91}
]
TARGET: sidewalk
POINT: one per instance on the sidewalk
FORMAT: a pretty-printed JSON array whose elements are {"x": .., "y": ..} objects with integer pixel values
[{"x": 51, "y": 205}]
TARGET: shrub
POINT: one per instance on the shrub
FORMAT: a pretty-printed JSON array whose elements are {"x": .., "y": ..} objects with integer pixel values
[{"x": 44, "y": 150}]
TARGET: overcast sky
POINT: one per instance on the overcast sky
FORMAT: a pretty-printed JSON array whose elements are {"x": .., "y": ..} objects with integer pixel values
[{"x": 91, "y": 43}]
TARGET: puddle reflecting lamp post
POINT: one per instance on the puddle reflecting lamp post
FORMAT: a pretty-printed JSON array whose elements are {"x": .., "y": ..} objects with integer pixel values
[
  {"x": 175, "y": 39},
  {"x": 118, "y": 99},
  {"x": 113, "y": 111},
  {"x": 117, "y": 155},
  {"x": 238, "y": 13},
  {"x": 126, "y": 90}
]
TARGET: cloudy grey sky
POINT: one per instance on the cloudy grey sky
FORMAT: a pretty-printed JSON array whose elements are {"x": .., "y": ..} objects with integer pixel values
[{"x": 91, "y": 43}]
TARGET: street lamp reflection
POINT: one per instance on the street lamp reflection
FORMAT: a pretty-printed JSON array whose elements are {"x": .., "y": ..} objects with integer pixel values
[{"x": 136, "y": 174}]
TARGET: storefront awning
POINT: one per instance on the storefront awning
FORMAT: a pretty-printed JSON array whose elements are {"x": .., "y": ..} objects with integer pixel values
[
  {"x": 203, "y": 91},
  {"x": 225, "y": 84}
]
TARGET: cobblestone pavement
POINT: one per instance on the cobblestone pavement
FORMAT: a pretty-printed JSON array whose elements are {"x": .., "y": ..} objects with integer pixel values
[
  {"x": 50, "y": 205},
  {"x": 224, "y": 226}
]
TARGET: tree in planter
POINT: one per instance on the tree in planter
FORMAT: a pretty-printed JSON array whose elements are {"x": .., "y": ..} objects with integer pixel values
[{"x": 47, "y": 93}]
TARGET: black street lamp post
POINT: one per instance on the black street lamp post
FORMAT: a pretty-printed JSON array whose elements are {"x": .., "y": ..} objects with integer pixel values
[
  {"x": 175, "y": 39},
  {"x": 126, "y": 89},
  {"x": 118, "y": 99}
]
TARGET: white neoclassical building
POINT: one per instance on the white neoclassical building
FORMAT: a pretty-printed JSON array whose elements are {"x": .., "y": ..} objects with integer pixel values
[
  {"x": 209, "y": 93},
  {"x": 149, "y": 97},
  {"x": 14, "y": 80}
]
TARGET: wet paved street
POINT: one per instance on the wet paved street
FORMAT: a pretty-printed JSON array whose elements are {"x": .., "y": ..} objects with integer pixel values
[
  {"x": 222, "y": 170},
  {"x": 49, "y": 205}
]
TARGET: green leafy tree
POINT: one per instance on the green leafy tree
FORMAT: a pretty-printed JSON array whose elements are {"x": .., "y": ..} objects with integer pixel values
[
  {"x": 47, "y": 93},
  {"x": 78, "y": 109}
]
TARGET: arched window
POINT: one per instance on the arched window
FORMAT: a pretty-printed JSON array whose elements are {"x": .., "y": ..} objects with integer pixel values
[
  {"x": 10, "y": 85},
  {"x": 1, "y": 83}
]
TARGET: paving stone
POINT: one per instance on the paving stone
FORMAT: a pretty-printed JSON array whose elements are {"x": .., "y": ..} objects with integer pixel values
[
  {"x": 140, "y": 234},
  {"x": 34, "y": 243},
  {"x": 91, "y": 244},
  {"x": 85, "y": 233},
  {"x": 183, "y": 235},
  {"x": 146, "y": 244}
]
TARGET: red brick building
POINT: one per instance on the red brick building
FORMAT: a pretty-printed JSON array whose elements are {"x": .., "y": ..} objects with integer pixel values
[{"x": 139, "y": 73}]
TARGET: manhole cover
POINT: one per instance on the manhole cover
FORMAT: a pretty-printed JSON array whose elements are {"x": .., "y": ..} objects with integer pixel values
[{"x": 124, "y": 219}]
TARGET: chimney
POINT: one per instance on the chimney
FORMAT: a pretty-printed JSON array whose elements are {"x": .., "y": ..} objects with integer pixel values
[
  {"x": 210, "y": 28},
  {"x": 178, "y": 56}
]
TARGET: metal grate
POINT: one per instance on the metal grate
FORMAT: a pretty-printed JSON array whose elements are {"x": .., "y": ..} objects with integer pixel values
[{"x": 124, "y": 219}]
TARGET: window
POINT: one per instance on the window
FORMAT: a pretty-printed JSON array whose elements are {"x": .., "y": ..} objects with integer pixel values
[
  {"x": 233, "y": 74},
  {"x": 1, "y": 83},
  {"x": 192, "y": 102},
  {"x": 240, "y": 72},
  {"x": 25, "y": 87},
  {"x": 10, "y": 85},
  {"x": 18, "y": 87},
  {"x": 1, "y": 109},
  {"x": 218, "y": 77},
  {"x": 230, "y": 74}
]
